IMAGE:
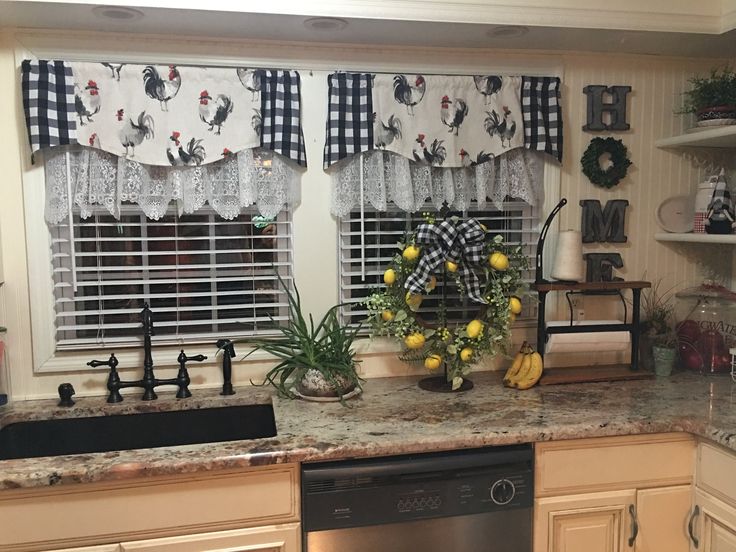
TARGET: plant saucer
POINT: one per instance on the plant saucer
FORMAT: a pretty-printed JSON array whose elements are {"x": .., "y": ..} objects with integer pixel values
[{"x": 354, "y": 393}]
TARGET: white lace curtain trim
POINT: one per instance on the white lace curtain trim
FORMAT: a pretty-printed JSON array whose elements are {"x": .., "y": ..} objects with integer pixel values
[
  {"x": 388, "y": 177},
  {"x": 99, "y": 179}
]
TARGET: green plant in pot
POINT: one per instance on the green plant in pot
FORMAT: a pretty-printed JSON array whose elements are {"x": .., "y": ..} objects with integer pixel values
[
  {"x": 713, "y": 98},
  {"x": 315, "y": 360},
  {"x": 657, "y": 328}
]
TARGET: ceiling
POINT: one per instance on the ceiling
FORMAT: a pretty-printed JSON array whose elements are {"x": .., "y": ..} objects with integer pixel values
[{"x": 365, "y": 30}]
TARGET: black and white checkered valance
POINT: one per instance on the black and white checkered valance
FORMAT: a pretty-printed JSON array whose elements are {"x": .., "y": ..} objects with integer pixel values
[
  {"x": 48, "y": 102},
  {"x": 163, "y": 115},
  {"x": 540, "y": 100},
  {"x": 350, "y": 116},
  {"x": 442, "y": 121}
]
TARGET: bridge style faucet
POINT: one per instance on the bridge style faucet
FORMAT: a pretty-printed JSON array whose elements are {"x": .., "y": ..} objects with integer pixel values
[{"x": 149, "y": 382}]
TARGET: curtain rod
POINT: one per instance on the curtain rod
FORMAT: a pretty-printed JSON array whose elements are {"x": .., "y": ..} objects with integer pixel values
[{"x": 534, "y": 73}]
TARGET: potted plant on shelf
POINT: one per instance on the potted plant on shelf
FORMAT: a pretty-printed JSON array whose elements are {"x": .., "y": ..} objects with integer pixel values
[
  {"x": 659, "y": 340},
  {"x": 713, "y": 98},
  {"x": 317, "y": 362}
]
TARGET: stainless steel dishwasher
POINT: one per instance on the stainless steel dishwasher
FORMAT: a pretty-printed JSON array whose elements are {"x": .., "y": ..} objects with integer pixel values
[{"x": 477, "y": 500}]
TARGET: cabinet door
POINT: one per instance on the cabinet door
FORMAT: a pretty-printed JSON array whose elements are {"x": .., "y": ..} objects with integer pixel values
[
  {"x": 662, "y": 516},
  {"x": 592, "y": 522},
  {"x": 273, "y": 538},
  {"x": 715, "y": 529}
]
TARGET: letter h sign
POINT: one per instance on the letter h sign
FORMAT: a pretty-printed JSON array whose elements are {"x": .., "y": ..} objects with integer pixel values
[{"x": 596, "y": 107}]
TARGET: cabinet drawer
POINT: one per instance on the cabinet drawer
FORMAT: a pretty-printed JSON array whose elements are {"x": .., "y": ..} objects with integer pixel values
[
  {"x": 715, "y": 473},
  {"x": 610, "y": 463},
  {"x": 108, "y": 513}
]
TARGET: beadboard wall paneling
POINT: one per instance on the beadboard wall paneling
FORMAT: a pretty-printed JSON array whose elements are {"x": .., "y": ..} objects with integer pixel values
[{"x": 657, "y": 86}]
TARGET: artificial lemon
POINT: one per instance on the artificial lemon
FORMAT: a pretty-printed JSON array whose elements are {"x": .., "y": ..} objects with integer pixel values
[
  {"x": 431, "y": 284},
  {"x": 410, "y": 253},
  {"x": 466, "y": 354},
  {"x": 450, "y": 266},
  {"x": 483, "y": 226},
  {"x": 498, "y": 261},
  {"x": 432, "y": 362},
  {"x": 515, "y": 305},
  {"x": 474, "y": 328},
  {"x": 387, "y": 316},
  {"x": 414, "y": 341},
  {"x": 414, "y": 300},
  {"x": 389, "y": 277}
]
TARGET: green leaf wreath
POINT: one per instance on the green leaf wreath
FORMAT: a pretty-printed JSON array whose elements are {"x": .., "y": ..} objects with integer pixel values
[
  {"x": 395, "y": 312},
  {"x": 590, "y": 161}
]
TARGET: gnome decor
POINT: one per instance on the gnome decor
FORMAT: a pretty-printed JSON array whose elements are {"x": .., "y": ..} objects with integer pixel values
[{"x": 720, "y": 209}]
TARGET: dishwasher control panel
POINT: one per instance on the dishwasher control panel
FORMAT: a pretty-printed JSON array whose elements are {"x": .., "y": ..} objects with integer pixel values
[{"x": 370, "y": 494}]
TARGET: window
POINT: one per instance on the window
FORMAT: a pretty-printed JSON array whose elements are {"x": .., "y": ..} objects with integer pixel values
[
  {"x": 204, "y": 277},
  {"x": 362, "y": 262}
]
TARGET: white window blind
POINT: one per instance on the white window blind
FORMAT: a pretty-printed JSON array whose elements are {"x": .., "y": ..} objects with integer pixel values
[
  {"x": 363, "y": 261},
  {"x": 204, "y": 277}
]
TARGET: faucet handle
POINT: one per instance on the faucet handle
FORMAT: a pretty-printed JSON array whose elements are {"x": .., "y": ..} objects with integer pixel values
[
  {"x": 182, "y": 359},
  {"x": 112, "y": 362}
]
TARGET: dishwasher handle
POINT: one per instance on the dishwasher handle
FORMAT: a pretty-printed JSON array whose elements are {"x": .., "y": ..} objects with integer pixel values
[{"x": 410, "y": 465}]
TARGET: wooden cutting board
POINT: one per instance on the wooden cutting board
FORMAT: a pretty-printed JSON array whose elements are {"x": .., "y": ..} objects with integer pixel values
[{"x": 590, "y": 374}]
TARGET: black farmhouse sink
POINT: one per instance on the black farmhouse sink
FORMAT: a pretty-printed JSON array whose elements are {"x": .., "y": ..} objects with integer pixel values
[{"x": 135, "y": 431}]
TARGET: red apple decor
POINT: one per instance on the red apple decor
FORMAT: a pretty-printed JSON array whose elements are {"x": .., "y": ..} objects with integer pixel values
[
  {"x": 688, "y": 334},
  {"x": 715, "y": 353}
]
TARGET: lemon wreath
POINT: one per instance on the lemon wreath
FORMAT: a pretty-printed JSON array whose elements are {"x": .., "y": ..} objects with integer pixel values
[{"x": 485, "y": 270}]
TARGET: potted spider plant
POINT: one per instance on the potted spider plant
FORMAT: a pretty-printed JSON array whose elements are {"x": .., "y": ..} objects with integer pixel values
[
  {"x": 713, "y": 98},
  {"x": 316, "y": 361}
]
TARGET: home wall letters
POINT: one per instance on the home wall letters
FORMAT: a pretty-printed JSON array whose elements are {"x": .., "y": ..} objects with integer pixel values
[
  {"x": 603, "y": 225},
  {"x": 616, "y": 107}
]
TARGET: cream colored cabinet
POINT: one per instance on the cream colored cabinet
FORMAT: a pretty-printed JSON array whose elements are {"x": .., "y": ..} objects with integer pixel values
[
  {"x": 591, "y": 522},
  {"x": 260, "y": 504},
  {"x": 713, "y": 522},
  {"x": 648, "y": 520},
  {"x": 277, "y": 538},
  {"x": 614, "y": 494},
  {"x": 713, "y": 525},
  {"x": 662, "y": 516}
]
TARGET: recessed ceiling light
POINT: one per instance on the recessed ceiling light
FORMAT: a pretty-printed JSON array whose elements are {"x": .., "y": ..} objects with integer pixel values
[
  {"x": 118, "y": 13},
  {"x": 508, "y": 31},
  {"x": 324, "y": 24}
]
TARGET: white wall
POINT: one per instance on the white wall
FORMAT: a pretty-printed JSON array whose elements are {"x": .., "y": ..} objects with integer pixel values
[{"x": 657, "y": 83}]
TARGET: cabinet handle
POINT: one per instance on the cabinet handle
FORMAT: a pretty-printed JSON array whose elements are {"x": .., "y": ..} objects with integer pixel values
[
  {"x": 691, "y": 526},
  {"x": 634, "y": 525}
]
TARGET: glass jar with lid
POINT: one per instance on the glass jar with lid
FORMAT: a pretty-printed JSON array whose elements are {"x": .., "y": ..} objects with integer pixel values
[{"x": 706, "y": 328}]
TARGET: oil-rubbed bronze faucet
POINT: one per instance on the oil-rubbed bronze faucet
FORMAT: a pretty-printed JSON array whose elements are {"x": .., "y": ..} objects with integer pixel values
[{"x": 149, "y": 381}]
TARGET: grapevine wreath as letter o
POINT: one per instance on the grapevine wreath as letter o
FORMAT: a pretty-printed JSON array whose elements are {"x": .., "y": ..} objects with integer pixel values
[{"x": 611, "y": 176}]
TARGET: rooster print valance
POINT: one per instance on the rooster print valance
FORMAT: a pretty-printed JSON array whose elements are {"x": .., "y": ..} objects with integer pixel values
[
  {"x": 163, "y": 115},
  {"x": 447, "y": 121}
]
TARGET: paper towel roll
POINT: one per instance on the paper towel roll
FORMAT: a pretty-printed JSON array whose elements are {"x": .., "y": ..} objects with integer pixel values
[{"x": 568, "y": 262}]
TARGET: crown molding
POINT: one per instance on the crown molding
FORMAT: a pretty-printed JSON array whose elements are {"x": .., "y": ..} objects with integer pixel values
[{"x": 704, "y": 16}]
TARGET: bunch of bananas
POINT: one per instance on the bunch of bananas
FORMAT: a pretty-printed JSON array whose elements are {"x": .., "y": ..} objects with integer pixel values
[{"x": 526, "y": 369}]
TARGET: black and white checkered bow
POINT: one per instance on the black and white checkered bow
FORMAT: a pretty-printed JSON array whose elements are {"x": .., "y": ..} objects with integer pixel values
[{"x": 461, "y": 244}]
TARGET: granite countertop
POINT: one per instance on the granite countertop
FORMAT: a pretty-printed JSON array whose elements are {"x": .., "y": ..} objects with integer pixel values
[{"x": 393, "y": 416}]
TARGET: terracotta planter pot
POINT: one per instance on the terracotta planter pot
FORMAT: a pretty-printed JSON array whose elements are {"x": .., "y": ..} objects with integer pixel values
[{"x": 718, "y": 112}]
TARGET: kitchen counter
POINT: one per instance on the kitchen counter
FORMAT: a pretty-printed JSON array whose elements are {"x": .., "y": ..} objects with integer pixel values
[{"x": 393, "y": 416}]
